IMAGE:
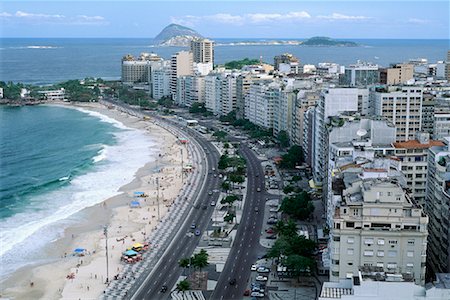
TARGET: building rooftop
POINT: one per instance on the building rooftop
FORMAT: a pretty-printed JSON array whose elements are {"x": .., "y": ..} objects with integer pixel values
[{"x": 415, "y": 144}]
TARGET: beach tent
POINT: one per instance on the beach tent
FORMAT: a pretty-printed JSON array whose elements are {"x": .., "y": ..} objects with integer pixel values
[
  {"x": 138, "y": 245},
  {"x": 130, "y": 253},
  {"x": 79, "y": 250},
  {"x": 135, "y": 204},
  {"x": 138, "y": 194}
]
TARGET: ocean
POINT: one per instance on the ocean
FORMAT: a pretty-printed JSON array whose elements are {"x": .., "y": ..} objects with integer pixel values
[
  {"x": 55, "y": 161},
  {"x": 50, "y": 60}
]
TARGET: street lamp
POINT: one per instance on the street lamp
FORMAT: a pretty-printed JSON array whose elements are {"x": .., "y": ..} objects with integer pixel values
[{"x": 105, "y": 231}]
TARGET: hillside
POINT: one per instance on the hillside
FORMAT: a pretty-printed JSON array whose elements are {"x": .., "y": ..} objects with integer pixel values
[
  {"x": 176, "y": 35},
  {"x": 326, "y": 41}
]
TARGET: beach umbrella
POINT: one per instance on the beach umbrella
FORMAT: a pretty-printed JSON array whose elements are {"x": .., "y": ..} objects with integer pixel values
[
  {"x": 79, "y": 250},
  {"x": 130, "y": 253},
  {"x": 138, "y": 245}
]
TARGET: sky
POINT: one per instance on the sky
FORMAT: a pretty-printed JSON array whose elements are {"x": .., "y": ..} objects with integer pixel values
[{"x": 227, "y": 19}]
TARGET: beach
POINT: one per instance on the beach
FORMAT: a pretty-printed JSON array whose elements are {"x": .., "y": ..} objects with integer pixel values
[{"x": 84, "y": 277}]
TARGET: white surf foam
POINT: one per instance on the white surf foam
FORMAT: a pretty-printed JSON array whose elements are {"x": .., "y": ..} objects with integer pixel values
[
  {"x": 42, "y": 220},
  {"x": 101, "y": 156}
]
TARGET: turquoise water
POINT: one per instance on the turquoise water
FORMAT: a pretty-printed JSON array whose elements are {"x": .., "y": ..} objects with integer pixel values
[{"x": 54, "y": 163}]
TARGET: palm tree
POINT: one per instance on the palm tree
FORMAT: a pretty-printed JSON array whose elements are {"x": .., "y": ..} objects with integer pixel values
[
  {"x": 184, "y": 263},
  {"x": 183, "y": 286}
]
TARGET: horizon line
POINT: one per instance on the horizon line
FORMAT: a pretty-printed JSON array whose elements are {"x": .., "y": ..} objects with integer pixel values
[{"x": 271, "y": 38}]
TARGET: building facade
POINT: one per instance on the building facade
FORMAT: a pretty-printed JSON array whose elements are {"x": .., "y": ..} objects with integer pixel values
[{"x": 202, "y": 51}]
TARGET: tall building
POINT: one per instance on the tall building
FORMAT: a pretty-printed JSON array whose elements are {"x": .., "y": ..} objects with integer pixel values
[
  {"x": 202, "y": 50},
  {"x": 397, "y": 74},
  {"x": 303, "y": 101},
  {"x": 259, "y": 102},
  {"x": 282, "y": 110},
  {"x": 428, "y": 107},
  {"x": 190, "y": 89},
  {"x": 161, "y": 83},
  {"x": 138, "y": 70},
  {"x": 332, "y": 102},
  {"x": 441, "y": 118},
  {"x": 447, "y": 66},
  {"x": 402, "y": 106},
  {"x": 360, "y": 74},
  {"x": 243, "y": 83},
  {"x": 181, "y": 64},
  {"x": 228, "y": 93},
  {"x": 378, "y": 229},
  {"x": 413, "y": 159},
  {"x": 437, "y": 206},
  {"x": 212, "y": 93}
]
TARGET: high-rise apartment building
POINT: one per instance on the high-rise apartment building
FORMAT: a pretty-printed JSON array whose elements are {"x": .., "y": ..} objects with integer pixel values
[
  {"x": 161, "y": 83},
  {"x": 228, "y": 93},
  {"x": 190, "y": 89},
  {"x": 243, "y": 83},
  {"x": 259, "y": 102},
  {"x": 282, "y": 110},
  {"x": 428, "y": 107},
  {"x": 138, "y": 70},
  {"x": 212, "y": 93},
  {"x": 441, "y": 124},
  {"x": 413, "y": 159},
  {"x": 402, "y": 106},
  {"x": 377, "y": 228},
  {"x": 181, "y": 64},
  {"x": 303, "y": 101},
  {"x": 202, "y": 50},
  {"x": 397, "y": 74},
  {"x": 437, "y": 206},
  {"x": 360, "y": 74}
]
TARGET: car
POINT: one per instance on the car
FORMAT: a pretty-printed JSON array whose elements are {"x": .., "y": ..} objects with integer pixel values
[
  {"x": 271, "y": 237},
  {"x": 232, "y": 281},
  {"x": 256, "y": 209},
  {"x": 247, "y": 293},
  {"x": 272, "y": 221},
  {"x": 213, "y": 203},
  {"x": 257, "y": 175},
  {"x": 213, "y": 169},
  {"x": 258, "y": 189},
  {"x": 273, "y": 210},
  {"x": 210, "y": 193},
  {"x": 254, "y": 268},
  {"x": 258, "y": 288},
  {"x": 215, "y": 175},
  {"x": 197, "y": 232},
  {"x": 204, "y": 206},
  {"x": 257, "y": 294},
  {"x": 261, "y": 278},
  {"x": 193, "y": 225},
  {"x": 270, "y": 230},
  {"x": 263, "y": 270},
  {"x": 197, "y": 206},
  {"x": 164, "y": 289}
]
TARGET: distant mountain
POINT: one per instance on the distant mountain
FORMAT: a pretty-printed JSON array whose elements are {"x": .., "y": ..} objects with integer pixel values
[
  {"x": 176, "y": 35},
  {"x": 326, "y": 41}
]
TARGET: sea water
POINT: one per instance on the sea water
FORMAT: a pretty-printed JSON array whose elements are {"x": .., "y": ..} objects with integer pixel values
[
  {"x": 54, "y": 162},
  {"x": 51, "y": 60}
]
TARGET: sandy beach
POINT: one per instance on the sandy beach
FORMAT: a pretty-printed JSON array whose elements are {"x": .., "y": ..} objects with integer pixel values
[{"x": 126, "y": 225}]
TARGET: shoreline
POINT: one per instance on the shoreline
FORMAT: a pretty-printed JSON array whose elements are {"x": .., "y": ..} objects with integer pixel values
[{"x": 49, "y": 279}]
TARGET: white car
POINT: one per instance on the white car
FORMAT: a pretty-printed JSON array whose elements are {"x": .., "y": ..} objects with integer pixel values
[
  {"x": 261, "y": 278},
  {"x": 254, "y": 268},
  {"x": 263, "y": 270},
  {"x": 257, "y": 294}
]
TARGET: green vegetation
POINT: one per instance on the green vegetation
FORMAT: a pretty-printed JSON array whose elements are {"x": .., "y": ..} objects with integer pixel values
[
  {"x": 166, "y": 102},
  {"x": 283, "y": 139},
  {"x": 293, "y": 158},
  {"x": 81, "y": 91},
  {"x": 298, "y": 206},
  {"x": 292, "y": 250},
  {"x": 220, "y": 135},
  {"x": 197, "y": 108},
  {"x": 229, "y": 217},
  {"x": 183, "y": 286},
  {"x": 326, "y": 41},
  {"x": 238, "y": 64},
  {"x": 11, "y": 90},
  {"x": 229, "y": 200}
]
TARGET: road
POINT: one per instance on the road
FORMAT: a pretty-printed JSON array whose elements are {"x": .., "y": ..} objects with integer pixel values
[
  {"x": 244, "y": 251},
  {"x": 168, "y": 271}
]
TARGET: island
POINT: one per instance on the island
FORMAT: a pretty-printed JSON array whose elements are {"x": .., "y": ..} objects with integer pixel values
[{"x": 326, "y": 41}]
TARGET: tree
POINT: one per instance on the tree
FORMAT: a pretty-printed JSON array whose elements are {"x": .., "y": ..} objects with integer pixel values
[
  {"x": 238, "y": 64},
  {"x": 293, "y": 158},
  {"x": 229, "y": 217},
  {"x": 283, "y": 138},
  {"x": 299, "y": 206},
  {"x": 200, "y": 260},
  {"x": 288, "y": 189},
  {"x": 288, "y": 228},
  {"x": 226, "y": 185},
  {"x": 184, "y": 263},
  {"x": 183, "y": 286},
  {"x": 197, "y": 108},
  {"x": 220, "y": 135},
  {"x": 229, "y": 200},
  {"x": 226, "y": 145},
  {"x": 223, "y": 162},
  {"x": 298, "y": 264}
]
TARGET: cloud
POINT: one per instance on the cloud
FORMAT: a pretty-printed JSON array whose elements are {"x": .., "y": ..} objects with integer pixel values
[
  {"x": 338, "y": 16},
  {"x": 40, "y": 18},
  {"x": 418, "y": 21},
  {"x": 254, "y": 18}
]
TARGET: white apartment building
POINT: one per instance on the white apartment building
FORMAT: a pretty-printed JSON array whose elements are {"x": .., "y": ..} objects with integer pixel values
[
  {"x": 282, "y": 111},
  {"x": 139, "y": 69},
  {"x": 190, "y": 89},
  {"x": 228, "y": 93},
  {"x": 161, "y": 83},
  {"x": 259, "y": 102},
  {"x": 377, "y": 229},
  {"x": 181, "y": 64},
  {"x": 402, "y": 106},
  {"x": 203, "y": 51},
  {"x": 360, "y": 74},
  {"x": 54, "y": 95},
  {"x": 212, "y": 93},
  {"x": 303, "y": 101},
  {"x": 437, "y": 206},
  {"x": 332, "y": 102},
  {"x": 413, "y": 158}
]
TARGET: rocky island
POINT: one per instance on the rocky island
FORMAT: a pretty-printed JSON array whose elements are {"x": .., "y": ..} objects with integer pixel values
[
  {"x": 176, "y": 35},
  {"x": 326, "y": 41}
]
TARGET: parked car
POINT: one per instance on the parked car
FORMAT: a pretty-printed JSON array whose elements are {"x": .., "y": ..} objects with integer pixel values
[
  {"x": 210, "y": 193},
  {"x": 258, "y": 189},
  {"x": 257, "y": 294},
  {"x": 247, "y": 293},
  {"x": 270, "y": 230},
  {"x": 272, "y": 221},
  {"x": 271, "y": 237},
  {"x": 256, "y": 209},
  {"x": 193, "y": 225},
  {"x": 263, "y": 270},
  {"x": 254, "y": 268},
  {"x": 261, "y": 278},
  {"x": 213, "y": 203}
]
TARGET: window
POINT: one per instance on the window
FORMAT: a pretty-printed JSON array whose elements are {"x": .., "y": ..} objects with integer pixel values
[
  {"x": 336, "y": 238},
  {"x": 349, "y": 275},
  {"x": 350, "y": 263},
  {"x": 368, "y": 253},
  {"x": 380, "y": 242},
  {"x": 335, "y": 274},
  {"x": 350, "y": 224},
  {"x": 380, "y": 253},
  {"x": 410, "y": 253},
  {"x": 380, "y": 265},
  {"x": 393, "y": 242},
  {"x": 411, "y": 242},
  {"x": 350, "y": 251},
  {"x": 391, "y": 265},
  {"x": 392, "y": 253},
  {"x": 335, "y": 262},
  {"x": 368, "y": 241},
  {"x": 355, "y": 212},
  {"x": 410, "y": 265},
  {"x": 351, "y": 240}
]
